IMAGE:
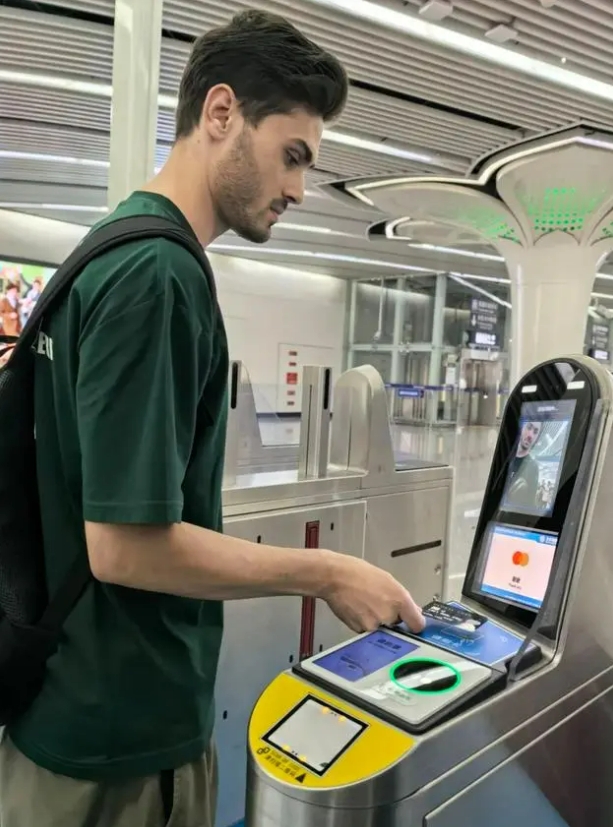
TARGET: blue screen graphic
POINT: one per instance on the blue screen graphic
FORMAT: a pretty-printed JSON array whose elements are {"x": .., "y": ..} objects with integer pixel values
[{"x": 366, "y": 655}]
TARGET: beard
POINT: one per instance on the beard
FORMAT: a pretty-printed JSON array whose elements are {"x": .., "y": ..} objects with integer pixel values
[{"x": 237, "y": 189}]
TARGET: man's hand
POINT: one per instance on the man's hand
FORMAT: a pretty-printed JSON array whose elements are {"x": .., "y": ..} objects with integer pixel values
[{"x": 365, "y": 597}]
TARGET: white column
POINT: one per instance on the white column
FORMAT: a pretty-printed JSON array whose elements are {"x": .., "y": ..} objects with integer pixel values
[
  {"x": 136, "y": 70},
  {"x": 399, "y": 315},
  {"x": 353, "y": 305},
  {"x": 551, "y": 285},
  {"x": 438, "y": 330}
]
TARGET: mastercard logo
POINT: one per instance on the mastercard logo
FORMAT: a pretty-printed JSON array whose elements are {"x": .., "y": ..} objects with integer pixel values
[{"x": 521, "y": 558}]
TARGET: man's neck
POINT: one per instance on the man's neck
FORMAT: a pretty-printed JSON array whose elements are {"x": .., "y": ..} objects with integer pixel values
[{"x": 182, "y": 184}]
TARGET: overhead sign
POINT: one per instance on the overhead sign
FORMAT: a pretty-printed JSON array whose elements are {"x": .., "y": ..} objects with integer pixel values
[
  {"x": 483, "y": 326},
  {"x": 410, "y": 393},
  {"x": 477, "y": 338}
]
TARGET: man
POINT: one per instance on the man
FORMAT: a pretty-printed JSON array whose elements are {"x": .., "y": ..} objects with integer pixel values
[
  {"x": 32, "y": 296},
  {"x": 130, "y": 417},
  {"x": 523, "y": 480},
  {"x": 9, "y": 311}
]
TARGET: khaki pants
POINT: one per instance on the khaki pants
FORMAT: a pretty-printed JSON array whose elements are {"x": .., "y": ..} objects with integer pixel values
[{"x": 33, "y": 797}]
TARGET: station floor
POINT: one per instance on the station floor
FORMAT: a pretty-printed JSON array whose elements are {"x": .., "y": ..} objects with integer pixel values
[{"x": 469, "y": 450}]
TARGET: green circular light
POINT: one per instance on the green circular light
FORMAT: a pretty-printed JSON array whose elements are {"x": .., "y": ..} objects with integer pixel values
[{"x": 434, "y": 661}]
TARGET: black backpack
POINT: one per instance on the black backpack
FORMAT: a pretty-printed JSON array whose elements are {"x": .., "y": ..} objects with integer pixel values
[{"x": 31, "y": 620}]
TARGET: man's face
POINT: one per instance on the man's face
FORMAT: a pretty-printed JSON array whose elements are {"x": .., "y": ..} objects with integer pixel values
[
  {"x": 261, "y": 171},
  {"x": 529, "y": 435}
]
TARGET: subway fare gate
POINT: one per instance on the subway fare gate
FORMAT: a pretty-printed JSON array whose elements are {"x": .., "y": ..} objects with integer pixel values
[{"x": 500, "y": 713}]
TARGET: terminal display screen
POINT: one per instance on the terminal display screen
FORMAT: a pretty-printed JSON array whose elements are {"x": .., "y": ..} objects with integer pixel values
[
  {"x": 534, "y": 473},
  {"x": 315, "y": 734},
  {"x": 364, "y": 656},
  {"x": 517, "y": 565}
]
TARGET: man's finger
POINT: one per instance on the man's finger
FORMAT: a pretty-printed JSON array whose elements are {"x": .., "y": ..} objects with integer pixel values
[{"x": 412, "y": 615}]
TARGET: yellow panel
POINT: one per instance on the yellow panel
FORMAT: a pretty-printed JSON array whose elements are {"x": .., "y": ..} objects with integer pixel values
[{"x": 378, "y": 747}]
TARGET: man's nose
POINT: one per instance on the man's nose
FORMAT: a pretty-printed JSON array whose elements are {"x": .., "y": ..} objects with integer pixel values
[{"x": 294, "y": 191}]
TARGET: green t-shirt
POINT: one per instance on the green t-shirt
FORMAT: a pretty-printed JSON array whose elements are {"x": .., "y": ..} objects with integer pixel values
[{"x": 130, "y": 428}]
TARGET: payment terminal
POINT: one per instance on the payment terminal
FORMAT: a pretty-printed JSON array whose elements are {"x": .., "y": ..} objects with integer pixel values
[{"x": 389, "y": 726}]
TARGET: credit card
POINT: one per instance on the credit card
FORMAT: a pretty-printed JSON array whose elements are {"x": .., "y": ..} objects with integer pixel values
[{"x": 454, "y": 616}]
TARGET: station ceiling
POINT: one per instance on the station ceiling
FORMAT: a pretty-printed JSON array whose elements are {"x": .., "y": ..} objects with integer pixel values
[{"x": 420, "y": 108}]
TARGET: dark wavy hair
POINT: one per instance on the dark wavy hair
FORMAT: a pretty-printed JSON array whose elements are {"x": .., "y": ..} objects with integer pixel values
[{"x": 271, "y": 66}]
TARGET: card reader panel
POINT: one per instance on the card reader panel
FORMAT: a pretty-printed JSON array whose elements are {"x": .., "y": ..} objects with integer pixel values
[{"x": 407, "y": 682}]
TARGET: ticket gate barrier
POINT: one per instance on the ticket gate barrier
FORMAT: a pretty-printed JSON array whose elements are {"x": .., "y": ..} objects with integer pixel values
[
  {"x": 348, "y": 495},
  {"x": 501, "y": 711},
  {"x": 480, "y": 378},
  {"x": 428, "y": 405},
  {"x": 246, "y": 453}
]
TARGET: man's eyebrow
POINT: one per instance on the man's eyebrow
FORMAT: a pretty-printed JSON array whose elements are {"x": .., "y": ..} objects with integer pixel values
[{"x": 306, "y": 151}]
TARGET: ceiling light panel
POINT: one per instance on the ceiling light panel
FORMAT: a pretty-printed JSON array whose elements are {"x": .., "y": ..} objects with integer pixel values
[
  {"x": 16, "y": 205},
  {"x": 502, "y": 34},
  {"x": 474, "y": 47},
  {"x": 105, "y": 7},
  {"x": 335, "y": 137},
  {"x": 436, "y": 10},
  {"x": 405, "y": 122},
  {"x": 312, "y": 254},
  {"x": 432, "y": 72},
  {"x": 23, "y": 103},
  {"x": 447, "y": 77},
  {"x": 456, "y": 251},
  {"x": 34, "y": 40},
  {"x": 457, "y": 277}
]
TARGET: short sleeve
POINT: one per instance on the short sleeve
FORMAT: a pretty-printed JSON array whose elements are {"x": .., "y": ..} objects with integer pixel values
[{"x": 138, "y": 387}]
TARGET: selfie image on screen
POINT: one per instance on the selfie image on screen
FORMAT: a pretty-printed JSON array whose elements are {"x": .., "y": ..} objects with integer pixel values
[{"x": 534, "y": 474}]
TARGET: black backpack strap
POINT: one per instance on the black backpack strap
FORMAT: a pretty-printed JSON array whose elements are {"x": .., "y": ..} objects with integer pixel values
[
  {"x": 107, "y": 237},
  {"x": 7, "y": 342},
  {"x": 100, "y": 241},
  {"x": 67, "y": 595}
]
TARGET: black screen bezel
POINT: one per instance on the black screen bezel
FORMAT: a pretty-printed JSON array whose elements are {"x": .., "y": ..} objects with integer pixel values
[
  {"x": 267, "y": 738},
  {"x": 550, "y": 385}
]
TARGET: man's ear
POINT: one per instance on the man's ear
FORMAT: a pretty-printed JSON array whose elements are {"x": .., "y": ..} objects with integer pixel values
[{"x": 219, "y": 112}]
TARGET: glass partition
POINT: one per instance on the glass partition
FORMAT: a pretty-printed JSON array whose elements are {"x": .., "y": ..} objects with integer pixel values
[
  {"x": 274, "y": 429},
  {"x": 380, "y": 360},
  {"x": 392, "y": 311},
  {"x": 374, "y": 312}
]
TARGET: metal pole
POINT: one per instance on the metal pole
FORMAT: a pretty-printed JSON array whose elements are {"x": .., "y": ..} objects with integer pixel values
[
  {"x": 348, "y": 322},
  {"x": 399, "y": 316},
  {"x": 438, "y": 329},
  {"x": 136, "y": 71},
  {"x": 353, "y": 302}
]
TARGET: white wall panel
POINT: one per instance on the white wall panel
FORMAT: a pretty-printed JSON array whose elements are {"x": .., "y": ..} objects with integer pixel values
[{"x": 266, "y": 306}]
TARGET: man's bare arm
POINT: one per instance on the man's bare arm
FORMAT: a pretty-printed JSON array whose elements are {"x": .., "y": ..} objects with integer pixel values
[{"x": 189, "y": 561}]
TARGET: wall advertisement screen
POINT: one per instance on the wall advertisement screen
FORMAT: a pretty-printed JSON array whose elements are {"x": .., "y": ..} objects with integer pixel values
[{"x": 20, "y": 287}]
